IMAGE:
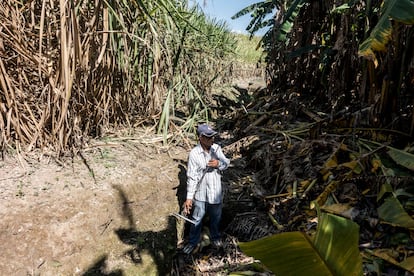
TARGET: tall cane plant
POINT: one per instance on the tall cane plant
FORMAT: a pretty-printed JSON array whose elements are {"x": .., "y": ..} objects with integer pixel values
[{"x": 71, "y": 69}]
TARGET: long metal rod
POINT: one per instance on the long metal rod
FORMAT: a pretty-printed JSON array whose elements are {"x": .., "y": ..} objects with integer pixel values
[{"x": 184, "y": 218}]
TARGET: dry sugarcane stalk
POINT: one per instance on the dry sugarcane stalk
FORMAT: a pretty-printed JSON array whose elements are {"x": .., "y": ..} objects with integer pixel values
[{"x": 255, "y": 123}]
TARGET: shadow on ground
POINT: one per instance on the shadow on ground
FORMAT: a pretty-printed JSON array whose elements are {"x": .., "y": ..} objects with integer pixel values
[
  {"x": 182, "y": 186},
  {"x": 161, "y": 245},
  {"x": 99, "y": 268}
]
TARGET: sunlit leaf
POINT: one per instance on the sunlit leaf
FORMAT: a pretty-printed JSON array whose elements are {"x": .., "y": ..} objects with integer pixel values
[
  {"x": 283, "y": 252},
  {"x": 377, "y": 41},
  {"x": 408, "y": 264},
  {"x": 334, "y": 251},
  {"x": 398, "y": 10},
  {"x": 289, "y": 19},
  {"x": 341, "y": 8},
  {"x": 376, "y": 164},
  {"x": 337, "y": 242},
  {"x": 331, "y": 162},
  {"x": 354, "y": 165}
]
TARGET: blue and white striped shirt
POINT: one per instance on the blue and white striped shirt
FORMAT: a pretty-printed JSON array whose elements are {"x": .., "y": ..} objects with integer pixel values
[{"x": 210, "y": 189}]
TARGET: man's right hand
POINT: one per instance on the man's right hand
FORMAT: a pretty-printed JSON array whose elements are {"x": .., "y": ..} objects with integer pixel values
[{"x": 188, "y": 204}]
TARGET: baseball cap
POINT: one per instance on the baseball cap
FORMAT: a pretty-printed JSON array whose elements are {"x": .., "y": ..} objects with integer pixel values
[{"x": 205, "y": 130}]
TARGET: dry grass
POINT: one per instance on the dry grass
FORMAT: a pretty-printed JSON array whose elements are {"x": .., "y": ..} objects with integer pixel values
[{"x": 70, "y": 70}]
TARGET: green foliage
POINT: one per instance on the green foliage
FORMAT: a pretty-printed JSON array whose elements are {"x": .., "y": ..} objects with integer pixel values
[
  {"x": 398, "y": 10},
  {"x": 262, "y": 14},
  {"x": 288, "y": 21},
  {"x": 108, "y": 63},
  {"x": 334, "y": 251},
  {"x": 393, "y": 212},
  {"x": 259, "y": 12},
  {"x": 401, "y": 157},
  {"x": 247, "y": 49},
  {"x": 202, "y": 54}
]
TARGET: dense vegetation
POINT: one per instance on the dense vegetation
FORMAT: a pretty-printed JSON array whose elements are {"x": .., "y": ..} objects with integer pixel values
[
  {"x": 332, "y": 130},
  {"x": 72, "y": 69},
  {"x": 332, "y": 134},
  {"x": 348, "y": 55}
]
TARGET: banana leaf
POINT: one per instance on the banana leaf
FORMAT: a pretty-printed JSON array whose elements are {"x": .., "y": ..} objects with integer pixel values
[
  {"x": 259, "y": 12},
  {"x": 393, "y": 212},
  {"x": 377, "y": 40},
  {"x": 289, "y": 19},
  {"x": 333, "y": 252},
  {"x": 341, "y": 8},
  {"x": 337, "y": 242},
  {"x": 398, "y": 10},
  {"x": 403, "y": 11},
  {"x": 385, "y": 189},
  {"x": 407, "y": 264},
  {"x": 402, "y": 158}
]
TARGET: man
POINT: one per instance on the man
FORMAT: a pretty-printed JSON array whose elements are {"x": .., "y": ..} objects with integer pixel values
[{"x": 206, "y": 161}]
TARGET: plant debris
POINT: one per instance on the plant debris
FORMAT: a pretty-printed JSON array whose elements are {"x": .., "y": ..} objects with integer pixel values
[{"x": 288, "y": 161}]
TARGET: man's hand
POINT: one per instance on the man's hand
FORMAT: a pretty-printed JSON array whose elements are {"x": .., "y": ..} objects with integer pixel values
[
  {"x": 188, "y": 204},
  {"x": 214, "y": 163}
]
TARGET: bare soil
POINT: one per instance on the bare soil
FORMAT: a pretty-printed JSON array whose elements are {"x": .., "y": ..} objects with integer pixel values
[{"x": 104, "y": 212}]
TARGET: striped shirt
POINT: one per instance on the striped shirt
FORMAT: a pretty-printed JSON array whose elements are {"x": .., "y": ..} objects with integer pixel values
[{"x": 209, "y": 190}]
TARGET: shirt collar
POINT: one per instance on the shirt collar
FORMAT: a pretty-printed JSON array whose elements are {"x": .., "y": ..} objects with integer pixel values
[{"x": 200, "y": 148}]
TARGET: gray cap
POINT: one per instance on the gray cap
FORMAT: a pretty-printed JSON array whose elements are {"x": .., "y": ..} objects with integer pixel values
[{"x": 205, "y": 130}]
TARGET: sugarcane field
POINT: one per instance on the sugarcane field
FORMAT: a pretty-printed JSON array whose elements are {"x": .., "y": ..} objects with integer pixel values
[{"x": 149, "y": 138}]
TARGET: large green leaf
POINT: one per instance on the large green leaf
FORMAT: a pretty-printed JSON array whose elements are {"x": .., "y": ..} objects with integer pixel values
[
  {"x": 337, "y": 242},
  {"x": 402, "y": 158},
  {"x": 288, "y": 253},
  {"x": 403, "y": 11},
  {"x": 246, "y": 10},
  {"x": 287, "y": 25},
  {"x": 259, "y": 12},
  {"x": 334, "y": 252},
  {"x": 385, "y": 189},
  {"x": 398, "y": 10},
  {"x": 378, "y": 39},
  {"x": 393, "y": 212}
]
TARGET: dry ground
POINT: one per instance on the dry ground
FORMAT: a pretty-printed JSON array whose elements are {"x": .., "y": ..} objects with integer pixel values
[
  {"x": 107, "y": 213},
  {"x": 104, "y": 212}
]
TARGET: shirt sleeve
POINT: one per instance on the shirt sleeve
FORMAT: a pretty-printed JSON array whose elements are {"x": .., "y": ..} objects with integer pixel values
[
  {"x": 192, "y": 176},
  {"x": 224, "y": 161}
]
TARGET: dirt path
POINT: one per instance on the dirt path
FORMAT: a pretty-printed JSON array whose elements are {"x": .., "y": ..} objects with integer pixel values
[{"x": 111, "y": 218}]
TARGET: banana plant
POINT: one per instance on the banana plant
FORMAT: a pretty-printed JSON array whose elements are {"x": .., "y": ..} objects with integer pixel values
[
  {"x": 288, "y": 22},
  {"x": 296, "y": 253},
  {"x": 398, "y": 10},
  {"x": 259, "y": 12}
]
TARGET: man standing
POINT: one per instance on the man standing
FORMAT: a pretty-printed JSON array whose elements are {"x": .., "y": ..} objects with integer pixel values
[{"x": 206, "y": 161}]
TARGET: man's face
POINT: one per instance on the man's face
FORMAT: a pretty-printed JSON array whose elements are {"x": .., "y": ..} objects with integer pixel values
[{"x": 206, "y": 142}]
